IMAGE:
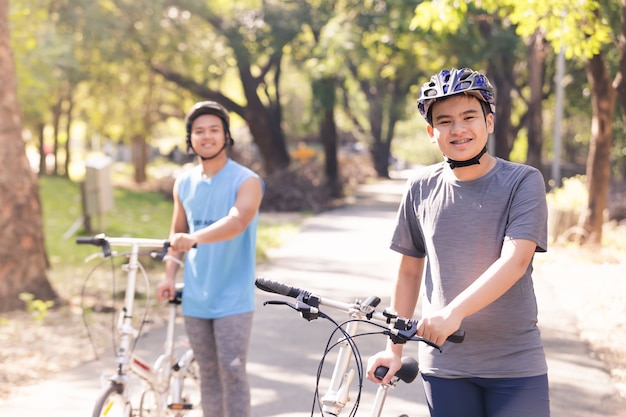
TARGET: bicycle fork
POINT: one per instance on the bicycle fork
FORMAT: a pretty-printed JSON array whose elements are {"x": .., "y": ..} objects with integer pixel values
[{"x": 337, "y": 395}]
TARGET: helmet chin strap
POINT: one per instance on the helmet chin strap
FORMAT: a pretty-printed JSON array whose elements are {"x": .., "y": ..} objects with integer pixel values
[{"x": 472, "y": 161}]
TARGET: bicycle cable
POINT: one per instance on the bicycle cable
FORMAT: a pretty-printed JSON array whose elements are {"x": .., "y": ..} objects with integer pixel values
[
  {"x": 146, "y": 309},
  {"x": 144, "y": 274},
  {"x": 349, "y": 339},
  {"x": 82, "y": 305}
]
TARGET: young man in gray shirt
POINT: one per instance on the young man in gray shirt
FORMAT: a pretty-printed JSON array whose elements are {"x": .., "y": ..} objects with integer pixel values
[{"x": 473, "y": 224}]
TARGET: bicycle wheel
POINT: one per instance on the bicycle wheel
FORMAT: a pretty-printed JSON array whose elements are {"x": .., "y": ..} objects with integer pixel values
[
  {"x": 112, "y": 403},
  {"x": 190, "y": 404},
  {"x": 148, "y": 405}
]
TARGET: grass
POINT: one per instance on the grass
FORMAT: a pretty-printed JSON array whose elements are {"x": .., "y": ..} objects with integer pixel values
[{"x": 134, "y": 213}]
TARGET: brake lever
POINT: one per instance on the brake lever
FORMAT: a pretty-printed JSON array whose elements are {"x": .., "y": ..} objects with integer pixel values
[
  {"x": 402, "y": 336},
  {"x": 103, "y": 255},
  {"x": 307, "y": 311}
]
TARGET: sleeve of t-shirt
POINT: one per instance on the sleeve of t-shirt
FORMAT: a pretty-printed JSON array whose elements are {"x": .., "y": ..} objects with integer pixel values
[
  {"x": 528, "y": 214},
  {"x": 407, "y": 236}
]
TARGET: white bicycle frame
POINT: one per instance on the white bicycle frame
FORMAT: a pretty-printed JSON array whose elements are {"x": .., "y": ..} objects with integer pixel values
[
  {"x": 165, "y": 371},
  {"x": 337, "y": 394},
  {"x": 165, "y": 378}
]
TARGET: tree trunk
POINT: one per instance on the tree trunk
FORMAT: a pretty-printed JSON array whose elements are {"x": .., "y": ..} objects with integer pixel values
[
  {"x": 598, "y": 168},
  {"x": 68, "y": 132},
  {"x": 500, "y": 69},
  {"x": 502, "y": 130},
  {"x": 139, "y": 156},
  {"x": 374, "y": 100},
  {"x": 264, "y": 122},
  {"x": 22, "y": 251},
  {"x": 620, "y": 78},
  {"x": 43, "y": 169},
  {"x": 324, "y": 92},
  {"x": 57, "y": 109},
  {"x": 379, "y": 150},
  {"x": 537, "y": 58}
]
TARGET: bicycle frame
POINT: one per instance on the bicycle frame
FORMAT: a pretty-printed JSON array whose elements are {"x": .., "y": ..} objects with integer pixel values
[
  {"x": 165, "y": 378},
  {"x": 166, "y": 372},
  {"x": 400, "y": 330},
  {"x": 338, "y": 392}
]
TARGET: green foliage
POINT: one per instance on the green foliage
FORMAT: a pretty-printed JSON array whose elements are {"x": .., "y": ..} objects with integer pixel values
[
  {"x": 61, "y": 204},
  {"x": 102, "y": 55},
  {"x": 38, "y": 308},
  {"x": 572, "y": 195},
  {"x": 412, "y": 146},
  {"x": 520, "y": 149},
  {"x": 272, "y": 235},
  {"x": 572, "y": 24},
  {"x": 135, "y": 213},
  {"x": 576, "y": 25},
  {"x": 441, "y": 17},
  {"x": 38, "y": 51}
]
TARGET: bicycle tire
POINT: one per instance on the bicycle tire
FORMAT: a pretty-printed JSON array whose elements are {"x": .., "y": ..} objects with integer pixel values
[
  {"x": 148, "y": 404},
  {"x": 111, "y": 402},
  {"x": 151, "y": 401},
  {"x": 191, "y": 404}
]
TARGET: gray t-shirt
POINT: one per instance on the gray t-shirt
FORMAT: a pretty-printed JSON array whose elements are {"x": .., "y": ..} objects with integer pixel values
[{"x": 460, "y": 226}]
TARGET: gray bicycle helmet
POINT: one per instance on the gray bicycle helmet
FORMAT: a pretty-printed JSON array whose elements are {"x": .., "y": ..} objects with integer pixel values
[
  {"x": 455, "y": 81},
  {"x": 208, "y": 107}
]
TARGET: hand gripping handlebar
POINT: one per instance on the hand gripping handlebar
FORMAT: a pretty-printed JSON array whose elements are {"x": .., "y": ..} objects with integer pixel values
[{"x": 404, "y": 329}]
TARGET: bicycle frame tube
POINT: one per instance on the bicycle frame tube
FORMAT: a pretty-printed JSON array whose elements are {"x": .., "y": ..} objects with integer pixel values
[
  {"x": 379, "y": 400},
  {"x": 337, "y": 395},
  {"x": 125, "y": 323}
]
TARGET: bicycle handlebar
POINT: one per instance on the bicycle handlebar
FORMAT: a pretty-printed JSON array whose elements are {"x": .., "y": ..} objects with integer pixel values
[
  {"x": 105, "y": 242},
  {"x": 278, "y": 288},
  {"x": 404, "y": 329},
  {"x": 102, "y": 240}
]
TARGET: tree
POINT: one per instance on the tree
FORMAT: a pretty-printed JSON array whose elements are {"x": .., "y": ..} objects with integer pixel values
[
  {"x": 22, "y": 253},
  {"x": 255, "y": 39},
  {"x": 383, "y": 58},
  {"x": 39, "y": 52},
  {"x": 538, "y": 51},
  {"x": 583, "y": 31}
]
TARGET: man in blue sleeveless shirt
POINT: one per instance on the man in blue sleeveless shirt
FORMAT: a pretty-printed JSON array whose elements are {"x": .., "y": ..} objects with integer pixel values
[
  {"x": 469, "y": 227},
  {"x": 214, "y": 222}
]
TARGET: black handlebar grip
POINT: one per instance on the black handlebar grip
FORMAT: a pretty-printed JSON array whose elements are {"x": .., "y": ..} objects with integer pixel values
[
  {"x": 277, "y": 287},
  {"x": 407, "y": 372},
  {"x": 457, "y": 337},
  {"x": 97, "y": 241}
]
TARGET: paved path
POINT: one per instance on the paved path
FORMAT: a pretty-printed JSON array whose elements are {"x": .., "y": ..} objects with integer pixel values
[{"x": 341, "y": 254}]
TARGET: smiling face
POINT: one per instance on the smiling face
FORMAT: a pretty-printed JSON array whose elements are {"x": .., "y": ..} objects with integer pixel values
[
  {"x": 207, "y": 135},
  {"x": 459, "y": 127}
]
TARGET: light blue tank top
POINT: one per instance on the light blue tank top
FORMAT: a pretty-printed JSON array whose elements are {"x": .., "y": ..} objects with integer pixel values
[{"x": 219, "y": 277}]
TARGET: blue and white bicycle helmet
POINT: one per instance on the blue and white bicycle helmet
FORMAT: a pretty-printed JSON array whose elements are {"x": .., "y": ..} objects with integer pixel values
[{"x": 455, "y": 81}]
